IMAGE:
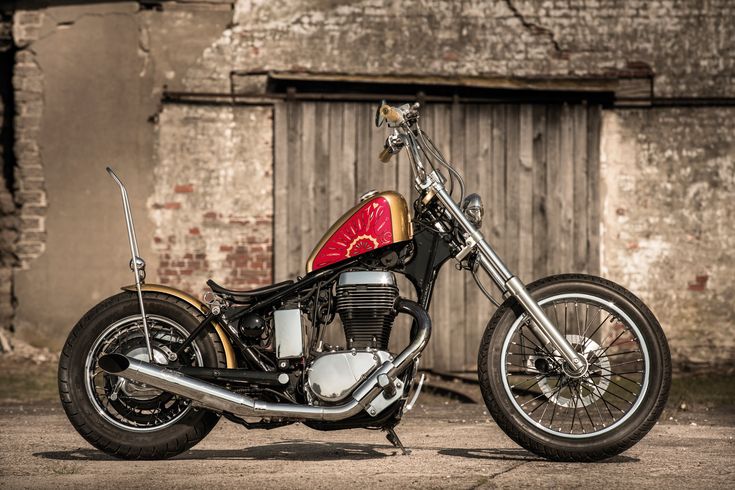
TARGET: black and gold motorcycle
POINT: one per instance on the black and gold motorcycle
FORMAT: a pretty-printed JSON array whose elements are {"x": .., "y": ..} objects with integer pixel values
[{"x": 572, "y": 367}]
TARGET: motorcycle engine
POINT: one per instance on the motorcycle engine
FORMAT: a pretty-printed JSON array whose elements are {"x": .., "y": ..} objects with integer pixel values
[
  {"x": 333, "y": 375},
  {"x": 366, "y": 305}
]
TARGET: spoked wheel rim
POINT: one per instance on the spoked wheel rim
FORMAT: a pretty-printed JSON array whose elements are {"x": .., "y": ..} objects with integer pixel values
[
  {"x": 128, "y": 405},
  {"x": 609, "y": 392}
]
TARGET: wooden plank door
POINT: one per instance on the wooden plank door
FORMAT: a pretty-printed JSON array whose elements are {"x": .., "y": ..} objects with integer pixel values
[{"x": 536, "y": 167}]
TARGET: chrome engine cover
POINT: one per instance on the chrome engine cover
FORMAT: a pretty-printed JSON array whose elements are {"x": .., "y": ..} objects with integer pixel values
[{"x": 334, "y": 375}]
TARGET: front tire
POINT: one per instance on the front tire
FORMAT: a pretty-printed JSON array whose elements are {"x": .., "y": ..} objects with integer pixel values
[
  {"x": 563, "y": 417},
  {"x": 122, "y": 418}
]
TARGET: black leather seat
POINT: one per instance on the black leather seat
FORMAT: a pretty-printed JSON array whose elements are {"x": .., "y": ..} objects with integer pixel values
[{"x": 250, "y": 296}]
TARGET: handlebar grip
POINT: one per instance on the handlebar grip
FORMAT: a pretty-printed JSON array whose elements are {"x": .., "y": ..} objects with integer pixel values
[
  {"x": 391, "y": 114},
  {"x": 385, "y": 155}
]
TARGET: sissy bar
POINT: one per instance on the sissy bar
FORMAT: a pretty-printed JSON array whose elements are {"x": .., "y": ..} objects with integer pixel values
[{"x": 137, "y": 264}]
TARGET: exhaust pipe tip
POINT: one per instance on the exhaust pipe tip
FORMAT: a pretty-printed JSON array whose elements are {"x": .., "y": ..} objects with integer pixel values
[{"x": 113, "y": 363}]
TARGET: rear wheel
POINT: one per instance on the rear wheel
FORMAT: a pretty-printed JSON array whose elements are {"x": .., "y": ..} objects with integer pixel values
[
  {"x": 126, "y": 419},
  {"x": 560, "y": 415}
]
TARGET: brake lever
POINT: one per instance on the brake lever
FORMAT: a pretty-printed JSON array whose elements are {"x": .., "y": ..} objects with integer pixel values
[{"x": 393, "y": 144}]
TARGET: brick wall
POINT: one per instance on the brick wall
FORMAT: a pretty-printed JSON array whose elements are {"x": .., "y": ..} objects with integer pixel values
[
  {"x": 8, "y": 217},
  {"x": 212, "y": 204},
  {"x": 688, "y": 45},
  {"x": 29, "y": 192},
  {"x": 22, "y": 194}
]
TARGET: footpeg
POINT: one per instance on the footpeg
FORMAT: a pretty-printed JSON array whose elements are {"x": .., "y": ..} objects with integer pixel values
[
  {"x": 393, "y": 439},
  {"x": 389, "y": 387},
  {"x": 384, "y": 400}
]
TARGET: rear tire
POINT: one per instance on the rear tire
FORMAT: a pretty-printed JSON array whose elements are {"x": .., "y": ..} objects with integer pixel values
[
  {"x": 88, "y": 405},
  {"x": 516, "y": 406}
]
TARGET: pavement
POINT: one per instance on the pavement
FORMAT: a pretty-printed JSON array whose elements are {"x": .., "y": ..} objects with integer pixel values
[{"x": 455, "y": 445}]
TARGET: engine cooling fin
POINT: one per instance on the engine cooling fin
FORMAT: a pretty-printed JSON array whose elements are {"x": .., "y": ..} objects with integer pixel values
[{"x": 366, "y": 305}]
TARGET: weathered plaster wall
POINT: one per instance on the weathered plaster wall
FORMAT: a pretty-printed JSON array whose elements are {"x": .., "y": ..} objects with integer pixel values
[
  {"x": 212, "y": 204},
  {"x": 88, "y": 81},
  {"x": 668, "y": 214},
  {"x": 689, "y": 45}
]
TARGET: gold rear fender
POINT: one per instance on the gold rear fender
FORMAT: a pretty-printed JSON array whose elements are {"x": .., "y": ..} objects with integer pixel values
[{"x": 159, "y": 288}]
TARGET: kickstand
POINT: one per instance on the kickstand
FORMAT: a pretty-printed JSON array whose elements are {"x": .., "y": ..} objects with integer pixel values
[{"x": 393, "y": 439}]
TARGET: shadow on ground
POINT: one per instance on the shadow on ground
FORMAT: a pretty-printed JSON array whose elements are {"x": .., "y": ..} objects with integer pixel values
[
  {"x": 316, "y": 451},
  {"x": 514, "y": 455},
  {"x": 284, "y": 451}
]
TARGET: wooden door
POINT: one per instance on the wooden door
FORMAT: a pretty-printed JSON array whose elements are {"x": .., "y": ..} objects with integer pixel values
[{"x": 536, "y": 167}]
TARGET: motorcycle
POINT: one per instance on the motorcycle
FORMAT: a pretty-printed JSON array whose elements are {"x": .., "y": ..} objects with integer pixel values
[{"x": 572, "y": 367}]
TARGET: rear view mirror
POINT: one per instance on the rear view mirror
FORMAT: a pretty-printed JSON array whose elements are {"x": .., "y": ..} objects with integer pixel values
[{"x": 379, "y": 119}]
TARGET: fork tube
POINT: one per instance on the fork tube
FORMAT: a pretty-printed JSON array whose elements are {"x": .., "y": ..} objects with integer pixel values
[
  {"x": 491, "y": 262},
  {"x": 134, "y": 263}
]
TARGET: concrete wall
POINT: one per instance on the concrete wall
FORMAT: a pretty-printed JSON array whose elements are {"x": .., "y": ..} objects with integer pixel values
[
  {"x": 88, "y": 81},
  {"x": 88, "y": 84}
]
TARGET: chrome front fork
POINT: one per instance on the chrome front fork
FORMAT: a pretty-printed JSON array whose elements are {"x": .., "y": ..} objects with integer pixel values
[
  {"x": 137, "y": 265},
  {"x": 546, "y": 332}
]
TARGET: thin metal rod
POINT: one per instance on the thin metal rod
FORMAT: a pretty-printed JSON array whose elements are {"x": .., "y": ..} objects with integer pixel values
[
  {"x": 128, "y": 215},
  {"x": 136, "y": 257},
  {"x": 501, "y": 274},
  {"x": 492, "y": 272},
  {"x": 552, "y": 334},
  {"x": 491, "y": 262}
]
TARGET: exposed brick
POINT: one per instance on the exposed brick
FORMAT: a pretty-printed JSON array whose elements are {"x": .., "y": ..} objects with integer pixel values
[
  {"x": 32, "y": 184},
  {"x": 216, "y": 240},
  {"x": 29, "y": 249},
  {"x": 32, "y": 223},
  {"x": 671, "y": 170},
  {"x": 699, "y": 284},
  {"x": 28, "y": 18},
  {"x": 685, "y": 44},
  {"x": 31, "y": 197}
]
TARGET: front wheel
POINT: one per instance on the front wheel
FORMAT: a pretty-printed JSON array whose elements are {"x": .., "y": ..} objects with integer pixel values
[{"x": 567, "y": 417}]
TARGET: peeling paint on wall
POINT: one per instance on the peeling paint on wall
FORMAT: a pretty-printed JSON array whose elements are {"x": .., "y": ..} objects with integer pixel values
[
  {"x": 212, "y": 205},
  {"x": 518, "y": 38},
  {"x": 667, "y": 230}
]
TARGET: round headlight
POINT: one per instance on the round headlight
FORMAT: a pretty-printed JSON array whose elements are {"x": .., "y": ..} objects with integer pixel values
[{"x": 473, "y": 209}]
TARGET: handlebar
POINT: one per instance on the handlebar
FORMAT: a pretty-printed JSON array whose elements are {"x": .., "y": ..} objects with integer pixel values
[
  {"x": 385, "y": 155},
  {"x": 397, "y": 117}
]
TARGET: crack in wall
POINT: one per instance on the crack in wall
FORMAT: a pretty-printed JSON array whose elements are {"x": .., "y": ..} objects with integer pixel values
[{"x": 536, "y": 29}]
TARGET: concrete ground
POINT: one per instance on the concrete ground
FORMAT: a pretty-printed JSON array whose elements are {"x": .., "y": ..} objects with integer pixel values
[{"x": 455, "y": 445}]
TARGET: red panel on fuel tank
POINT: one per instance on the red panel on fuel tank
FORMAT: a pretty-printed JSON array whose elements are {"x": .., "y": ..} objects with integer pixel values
[{"x": 363, "y": 229}]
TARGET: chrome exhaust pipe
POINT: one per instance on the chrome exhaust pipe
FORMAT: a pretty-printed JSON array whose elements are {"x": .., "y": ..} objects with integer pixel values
[{"x": 216, "y": 398}]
